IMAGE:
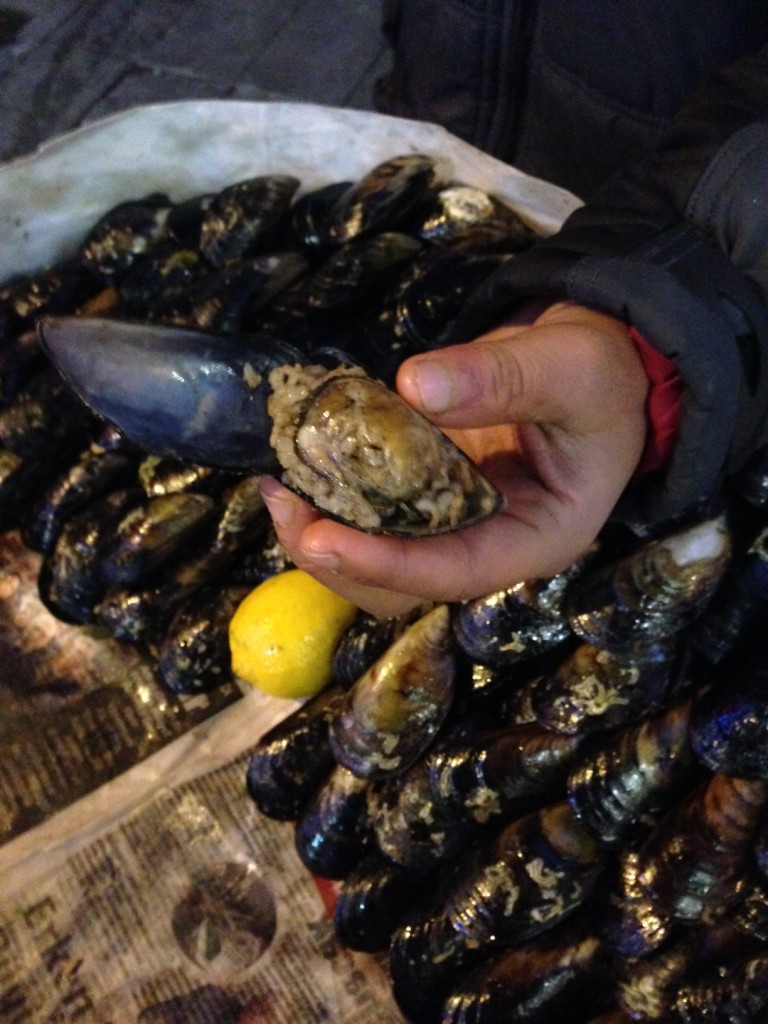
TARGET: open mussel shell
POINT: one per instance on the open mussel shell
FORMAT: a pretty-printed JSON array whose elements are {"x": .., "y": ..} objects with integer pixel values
[
  {"x": 174, "y": 391},
  {"x": 362, "y": 455}
]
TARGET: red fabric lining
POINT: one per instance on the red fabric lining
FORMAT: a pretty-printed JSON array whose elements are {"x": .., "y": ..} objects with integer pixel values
[{"x": 664, "y": 398}]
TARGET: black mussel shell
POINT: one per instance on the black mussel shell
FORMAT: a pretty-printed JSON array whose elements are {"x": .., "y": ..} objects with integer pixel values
[
  {"x": 70, "y": 582},
  {"x": 372, "y": 901},
  {"x": 244, "y": 217},
  {"x": 729, "y": 726},
  {"x": 333, "y": 830},
  {"x": 292, "y": 759},
  {"x": 174, "y": 391},
  {"x": 622, "y": 780},
  {"x": 363, "y": 642},
  {"x": 655, "y": 591},
  {"x": 394, "y": 710},
  {"x": 352, "y": 272},
  {"x": 96, "y": 473},
  {"x": 460, "y": 209},
  {"x": 194, "y": 655},
  {"x": 311, "y": 216},
  {"x": 559, "y": 976},
  {"x": 123, "y": 234},
  {"x": 152, "y": 533},
  {"x": 383, "y": 197}
]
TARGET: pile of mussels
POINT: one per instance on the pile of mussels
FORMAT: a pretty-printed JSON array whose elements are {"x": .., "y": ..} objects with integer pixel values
[
  {"x": 155, "y": 549},
  {"x": 548, "y": 803}
]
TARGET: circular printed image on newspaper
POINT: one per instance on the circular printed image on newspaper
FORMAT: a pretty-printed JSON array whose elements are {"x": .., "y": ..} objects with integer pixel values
[{"x": 226, "y": 919}]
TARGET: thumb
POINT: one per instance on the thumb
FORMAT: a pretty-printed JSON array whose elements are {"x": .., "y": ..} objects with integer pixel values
[{"x": 557, "y": 371}]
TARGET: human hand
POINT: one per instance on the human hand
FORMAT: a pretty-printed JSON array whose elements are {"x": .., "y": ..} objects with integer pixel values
[{"x": 553, "y": 412}]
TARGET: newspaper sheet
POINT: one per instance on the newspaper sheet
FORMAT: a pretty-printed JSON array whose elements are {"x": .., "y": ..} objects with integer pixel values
[
  {"x": 195, "y": 909},
  {"x": 76, "y": 708}
]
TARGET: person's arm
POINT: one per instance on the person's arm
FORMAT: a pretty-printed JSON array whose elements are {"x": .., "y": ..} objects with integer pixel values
[
  {"x": 677, "y": 249},
  {"x": 556, "y": 411}
]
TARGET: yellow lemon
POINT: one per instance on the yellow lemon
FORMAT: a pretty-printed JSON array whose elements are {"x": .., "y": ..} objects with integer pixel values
[{"x": 283, "y": 634}]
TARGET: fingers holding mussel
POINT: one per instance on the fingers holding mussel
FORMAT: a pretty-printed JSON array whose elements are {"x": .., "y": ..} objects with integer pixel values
[{"x": 344, "y": 441}]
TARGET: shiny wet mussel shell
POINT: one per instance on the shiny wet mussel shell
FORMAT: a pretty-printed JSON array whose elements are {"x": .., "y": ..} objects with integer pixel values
[
  {"x": 393, "y": 712},
  {"x": 654, "y": 592},
  {"x": 293, "y": 758}
]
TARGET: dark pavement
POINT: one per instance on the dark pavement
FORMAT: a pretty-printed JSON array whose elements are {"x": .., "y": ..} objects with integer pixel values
[{"x": 66, "y": 62}]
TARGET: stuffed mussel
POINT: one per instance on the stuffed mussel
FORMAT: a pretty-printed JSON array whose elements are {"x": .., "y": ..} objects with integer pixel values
[{"x": 344, "y": 440}]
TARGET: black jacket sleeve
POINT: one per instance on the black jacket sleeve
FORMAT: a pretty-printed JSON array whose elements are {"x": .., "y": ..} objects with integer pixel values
[{"x": 677, "y": 248}]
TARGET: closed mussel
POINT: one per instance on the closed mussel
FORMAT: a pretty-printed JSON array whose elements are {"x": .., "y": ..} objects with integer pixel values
[
  {"x": 460, "y": 209},
  {"x": 94, "y": 474},
  {"x": 70, "y": 581},
  {"x": 123, "y": 235},
  {"x": 293, "y": 758},
  {"x": 193, "y": 655},
  {"x": 393, "y": 712},
  {"x": 692, "y": 858},
  {"x": 501, "y": 771},
  {"x": 244, "y": 217},
  {"x": 729, "y": 725},
  {"x": 654, "y": 592},
  {"x": 372, "y": 901},
  {"x": 333, "y": 830},
  {"x": 558, "y": 976},
  {"x": 623, "y": 779},
  {"x": 737, "y": 993},
  {"x": 517, "y": 623},
  {"x": 594, "y": 688},
  {"x": 735, "y": 615},
  {"x": 363, "y": 642},
  {"x": 152, "y": 533},
  {"x": 536, "y": 872},
  {"x": 383, "y": 197},
  {"x": 141, "y": 609},
  {"x": 648, "y": 986}
]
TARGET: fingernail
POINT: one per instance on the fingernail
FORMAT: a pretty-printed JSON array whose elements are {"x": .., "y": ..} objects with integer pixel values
[
  {"x": 434, "y": 384},
  {"x": 281, "y": 507},
  {"x": 328, "y": 560}
]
